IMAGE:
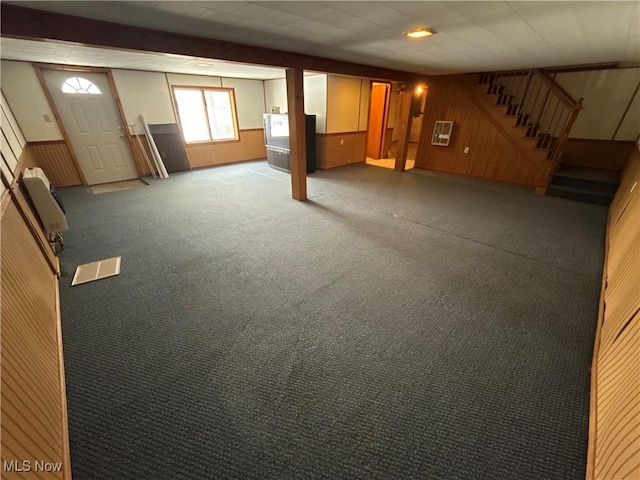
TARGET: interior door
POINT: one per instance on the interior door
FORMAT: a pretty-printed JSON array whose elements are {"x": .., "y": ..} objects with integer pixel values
[
  {"x": 89, "y": 114},
  {"x": 377, "y": 120}
]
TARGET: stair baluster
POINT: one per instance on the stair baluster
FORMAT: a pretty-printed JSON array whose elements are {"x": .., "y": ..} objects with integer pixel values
[{"x": 537, "y": 103}]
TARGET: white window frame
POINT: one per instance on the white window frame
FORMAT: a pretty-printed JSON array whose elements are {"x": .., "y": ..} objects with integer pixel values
[
  {"x": 234, "y": 115},
  {"x": 85, "y": 87}
]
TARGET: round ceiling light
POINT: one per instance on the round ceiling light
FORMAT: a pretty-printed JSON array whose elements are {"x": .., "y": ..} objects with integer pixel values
[{"x": 420, "y": 32}]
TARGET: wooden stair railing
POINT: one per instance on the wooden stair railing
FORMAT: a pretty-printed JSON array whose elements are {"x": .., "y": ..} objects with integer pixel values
[{"x": 541, "y": 107}]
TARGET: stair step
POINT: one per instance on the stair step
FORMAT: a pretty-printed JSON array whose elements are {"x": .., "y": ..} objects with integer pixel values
[
  {"x": 486, "y": 78},
  {"x": 505, "y": 100},
  {"x": 579, "y": 194},
  {"x": 586, "y": 185},
  {"x": 532, "y": 131},
  {"x": 599, "y": 175},
  {"x": 546, "y": 141},
  {"x": 514, "y": 109}
]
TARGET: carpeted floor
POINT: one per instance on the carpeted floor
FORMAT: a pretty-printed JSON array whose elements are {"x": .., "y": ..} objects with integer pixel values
[
  {"x": 389, "y": 163},
  {"x": 397, "y": 325}
]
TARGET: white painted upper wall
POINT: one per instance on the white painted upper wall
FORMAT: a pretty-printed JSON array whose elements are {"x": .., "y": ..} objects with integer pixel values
[
  {"x": 12, "y": 142},
  {"x": 275, "y": 94},
  {"x": 249, "y": 101},
  {"x": 144, "y": 93},
  {"x": 140, "y": 92},
  {"x": 343, "y": 104},
  {"x": 606, "y": 96},
  {"x": 28, "y": 103},
  {"x": 249, "y": 95},
  {"x": 630, "y": 127},
  {"x": 315, "y": 100},
  {"x": 193, "y": 80}
]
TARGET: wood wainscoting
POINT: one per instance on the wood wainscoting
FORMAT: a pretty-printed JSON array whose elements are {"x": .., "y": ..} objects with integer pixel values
[
  {"x": 339, "y": 149},
  {"x": 607, "y": 154},
  {"x": 388, "y": 142},
  {"x": 614, "y": 423},
  {"x": 34, "y": 410},
  {"x": 54, "y": 158},
  {"x": 249, "y": 147},
  {"x": 491, "y": 154}
]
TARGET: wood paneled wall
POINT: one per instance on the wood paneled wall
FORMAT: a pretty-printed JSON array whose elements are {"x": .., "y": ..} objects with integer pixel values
[
  {"x": 614, "y": 440},
  {"x": 250, "y": 147},
  {"x": 34, "y": 413},
  {"x": 338, "y": 149},
  {"x": 490, "y": 155},
  {"x": 607, "y": 154},
  {"x": 55, "y": 160},
  {"x": 33, "y": 409},
  {"x": 388, "y": 136}
]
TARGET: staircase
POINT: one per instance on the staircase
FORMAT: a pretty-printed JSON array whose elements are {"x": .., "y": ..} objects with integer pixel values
[
  {"x": 589, "y": 185},
  {"x": 533, "y": 112}
]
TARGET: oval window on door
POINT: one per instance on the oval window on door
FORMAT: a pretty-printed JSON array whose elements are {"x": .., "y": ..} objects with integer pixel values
[{"x": 79, "y": 85}]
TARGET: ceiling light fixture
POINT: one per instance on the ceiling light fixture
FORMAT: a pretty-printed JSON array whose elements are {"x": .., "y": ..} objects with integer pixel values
[{"x": 420, "y": 32}]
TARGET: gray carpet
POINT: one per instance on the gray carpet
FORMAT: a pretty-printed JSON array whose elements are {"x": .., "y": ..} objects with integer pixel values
[{"x": 397, "y": 325}]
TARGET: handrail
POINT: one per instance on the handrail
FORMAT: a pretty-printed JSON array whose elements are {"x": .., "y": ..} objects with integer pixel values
[
  {"x": 541, "y": 105},
  {"x": 560, "y": 93}
]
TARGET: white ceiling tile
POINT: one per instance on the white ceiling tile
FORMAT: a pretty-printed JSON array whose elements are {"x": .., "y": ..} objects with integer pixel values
[
  {"x": 258, "y": 12},
  {"x": 374, "y": 12},
  {"x": 226, "y": 7},
  {"x": 216, "y": 16},
  {"x": 307, "y": 10},
  {"x": 499, "y": 34},
  {"x": 14, "y": 49},
  {"x": 181, "y": 8}
]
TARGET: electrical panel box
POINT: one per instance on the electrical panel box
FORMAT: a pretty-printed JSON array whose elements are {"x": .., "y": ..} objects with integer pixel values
[{"x": 442, "y": 133}]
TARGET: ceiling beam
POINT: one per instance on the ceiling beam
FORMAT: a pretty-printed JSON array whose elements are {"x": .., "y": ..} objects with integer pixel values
[{"x": 27, "y": 23}]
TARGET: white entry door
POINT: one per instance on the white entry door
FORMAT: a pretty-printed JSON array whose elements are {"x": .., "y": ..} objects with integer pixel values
[{"x": 90, "y": 116}]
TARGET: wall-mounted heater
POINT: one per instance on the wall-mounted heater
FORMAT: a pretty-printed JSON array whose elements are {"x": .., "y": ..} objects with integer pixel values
[
  {"x": 442, "y": 133},
  {"x": 47, "y": 204}
]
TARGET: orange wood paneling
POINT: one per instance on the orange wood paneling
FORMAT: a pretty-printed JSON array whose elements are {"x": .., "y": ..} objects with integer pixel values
[
  {"x": 614, "y": 430},
  {"x": 250, "y": 147},
  {"x": 377, "y": 109},
  {"x": 388, "y": 136},
  {"x": 607, "y": 154},
  {"x": 56, "y": 162},
  {"x": 617, "y": 452},
  {"x": 33, "y": 395},
  {"x": 491, "y": 154},
  {"x": 339, "y": 149}
]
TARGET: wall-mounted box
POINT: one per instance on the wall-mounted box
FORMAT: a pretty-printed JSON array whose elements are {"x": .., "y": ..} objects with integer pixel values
[{"x": 442, "y": 133}]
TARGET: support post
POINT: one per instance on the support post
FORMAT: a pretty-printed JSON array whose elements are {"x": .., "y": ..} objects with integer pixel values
[
  {"x": 404, "y": 130},
  {"x": 297, "y": 141}
]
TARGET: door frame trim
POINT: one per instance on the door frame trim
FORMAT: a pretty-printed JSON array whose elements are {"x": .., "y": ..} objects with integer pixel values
[
  {"x": 38, "y": 67},
  {"x": 385, "y": 115}
]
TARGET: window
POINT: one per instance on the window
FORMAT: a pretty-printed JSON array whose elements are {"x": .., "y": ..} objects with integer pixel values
[
  {"x": 206, "y": 114},
  {"x": 80, "y": 85}
]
